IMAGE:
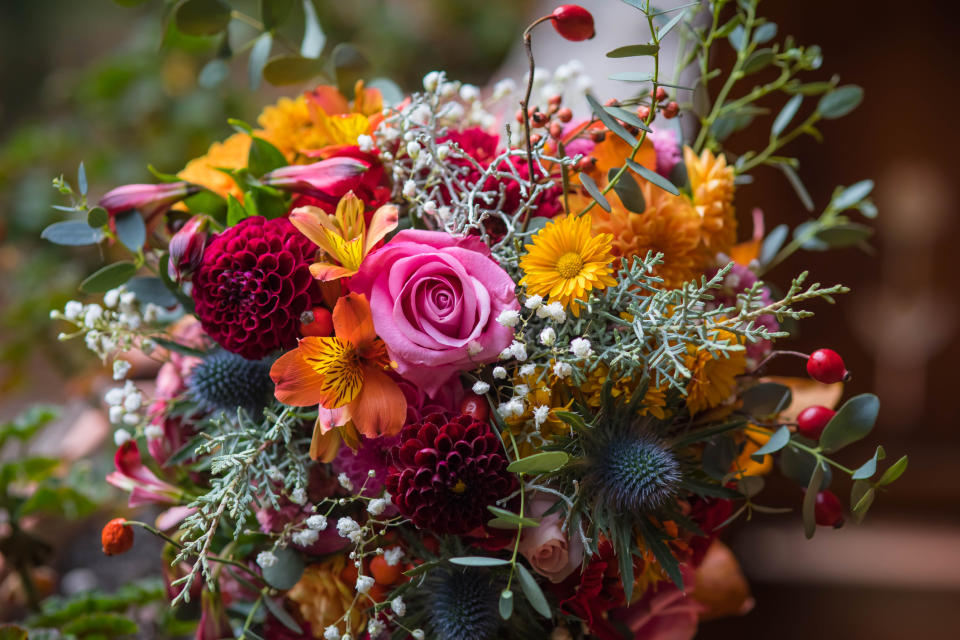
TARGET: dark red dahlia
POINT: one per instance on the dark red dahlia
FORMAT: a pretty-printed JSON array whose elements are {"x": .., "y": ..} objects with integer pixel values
[
  {"x": 444, "y": 474},
  {"x": 253, "y": 284}
]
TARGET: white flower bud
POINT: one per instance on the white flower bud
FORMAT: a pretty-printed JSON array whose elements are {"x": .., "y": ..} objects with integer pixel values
[
  {"x": 305, "y": 538},
  {"x": 114, "y": 397},
  {"x": 120, "y": 369},
  {"x": 540, "y": 414},
  {"x": 503, "y": 88},
  {"x": 562, "y": 369},
  {"x": 72, "y": 310},
  {"x": 480, "y": 387},
  {"x": 469, "y": 93},
  {"x": 548, "y": 336},
  {"x": 474, "y": 348},
  {"x": 153, "y": 432},
  {"x": 432, "y": 80},
  {"x": 364, "y": 584},
  {"x": 509, "y": 317},
  {"x": 120, "y": 436},
  {"x": 317, "y": 522},
  {"x": 365, "y": 142},
  {"x": 528, "y": 370},
  {"x": 298, "y": 496},
  {"x": 580, "y": 347},
  {"x": 266, "y": 559},
  {"x": 345, "y": 481},
  {"x": 346, "y": 526},
  {"x": 409, "y": 188},
  {"x": 376, "y": 506},
  {"x": 442, "y": 152},
  {"x": 413, "y": 149},
  {"x": 533, "y": 302},
  {"x": 112, "y": 298},
  {"x": 398, "y": 606},
  {"x": 331, "y": 633},
  {"x": 499, "y": 372}
]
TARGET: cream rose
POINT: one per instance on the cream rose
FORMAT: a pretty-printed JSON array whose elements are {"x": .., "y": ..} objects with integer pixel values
[{"x": 547, "y": 548}]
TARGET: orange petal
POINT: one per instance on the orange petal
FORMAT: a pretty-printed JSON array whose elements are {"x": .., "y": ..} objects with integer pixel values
[
  {"x": 334, "y": 361},
  {"x": 381, "y": 408},
  {"x": 324, "y": 444},
  {"x": 383, "y": 222},
  {"x": 350, "y": 216},
  {"x": 352, "y": 320},
  {"x": 314, "y": 223},
  {"x": 326, "y": 272},
  {"x": 297, "y": 383}
]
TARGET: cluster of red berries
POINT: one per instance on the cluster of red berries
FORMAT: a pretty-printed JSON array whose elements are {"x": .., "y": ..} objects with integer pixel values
[{"x": 668, "y": 109}]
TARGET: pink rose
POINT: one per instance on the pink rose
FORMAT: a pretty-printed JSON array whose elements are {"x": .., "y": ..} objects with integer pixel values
[
  {"x": 664, "y": 612},
  {"x": 547, "y": 548},
  {"x": 435, "y": 301}
]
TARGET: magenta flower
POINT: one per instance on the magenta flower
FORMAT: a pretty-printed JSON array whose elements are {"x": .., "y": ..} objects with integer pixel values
[
  {"x": 435, "y": 300},
  {"x": 133, "y": 476},
  {"x": 333, "y": 177},
  {"x": 667, "y": 150},
  {"x": 149, "y": 199},
  {"x": 186, "y": 247}
]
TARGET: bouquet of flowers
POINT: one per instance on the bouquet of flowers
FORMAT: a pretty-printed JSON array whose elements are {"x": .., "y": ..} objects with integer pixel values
[{"x": 423, "y": 379}]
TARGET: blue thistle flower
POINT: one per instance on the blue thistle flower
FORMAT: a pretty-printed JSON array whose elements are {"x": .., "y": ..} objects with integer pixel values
[
  {"x": 633, "y": 472},
  {"x": 463, "y": 605},
  {"x": 225, "y": 381}
]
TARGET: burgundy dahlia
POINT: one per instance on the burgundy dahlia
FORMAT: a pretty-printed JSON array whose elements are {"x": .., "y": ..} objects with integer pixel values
[
  {"x": 253, "y": 284},
  {"x": 444, "y": 474}
]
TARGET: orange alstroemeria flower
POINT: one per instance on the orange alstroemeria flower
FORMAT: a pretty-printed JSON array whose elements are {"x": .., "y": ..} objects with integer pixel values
[
  {"x": 344, "y": 236},
  {"x": 344, "y": 375}
]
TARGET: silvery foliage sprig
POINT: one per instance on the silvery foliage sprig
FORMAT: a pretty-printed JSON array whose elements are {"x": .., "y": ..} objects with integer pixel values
[
  {"x": 638, "y": 329},
  {"x": 250, "y": 462},
  {"x": 432, "y": 175}
]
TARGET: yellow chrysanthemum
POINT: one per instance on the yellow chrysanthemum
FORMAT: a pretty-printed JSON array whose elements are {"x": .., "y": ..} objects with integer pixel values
[
  {"x": 713, "y": 378},
  {"x": 229, "y": 154},
  {"x": 296, "y": 126},
  {"x": 323, "y": 598},
  {"x": 711, "y": 183},
  {"x": 654, "y": 401},
  {"x": 566, "y": 261},
  {"x": 547, "y": 392},
  {"x": 670, "y": 225}
]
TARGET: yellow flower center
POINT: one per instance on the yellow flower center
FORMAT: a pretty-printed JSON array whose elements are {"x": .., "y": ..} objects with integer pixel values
[
  {"x": 460, "y": 487},
  {"x": 569, "y": 265}
]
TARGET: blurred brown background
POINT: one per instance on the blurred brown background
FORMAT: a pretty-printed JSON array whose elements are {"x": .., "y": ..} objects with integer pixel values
[{"x": 87, "y": 81}]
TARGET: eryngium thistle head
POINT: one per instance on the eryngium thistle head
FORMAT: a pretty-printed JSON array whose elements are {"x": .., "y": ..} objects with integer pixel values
[
  {"x": 225, "y": 381},
  {"x": 633, "y": 472},
  {"x": 463, "y": 605}
]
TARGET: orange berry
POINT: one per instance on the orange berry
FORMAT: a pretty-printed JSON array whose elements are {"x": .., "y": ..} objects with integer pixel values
[
  {"x": 117, "y": 537},
  {"x": 383, "y": 573}
]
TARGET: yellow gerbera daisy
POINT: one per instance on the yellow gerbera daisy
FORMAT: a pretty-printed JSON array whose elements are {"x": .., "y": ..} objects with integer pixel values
[
  {"x": 713, "y": 378},
  {"x": 711, "y": 183},
  {"x": 566, "y": 261},
  {"x": 229, "y": 154}
]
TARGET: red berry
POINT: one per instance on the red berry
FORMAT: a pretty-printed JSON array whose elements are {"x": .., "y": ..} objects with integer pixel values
[
  {"x": 827, "y": 510},
  {"x": 812, "y": 420},
  {"x": 598, "y": 135},
  {"x": 565, "y": 114},
  {"x": 660, "y": 95},
  {"x": 573, "y": 22},
  {"x": 317, "y": 322},
  {"x": 476, "y": 407},
  {"x": 555, "y": 130},
  {"x": 671, "y": 110},
  {"x": 826, "y": 365},
  {"x": 643, "y": 112},
  {"x": 117, "y": 537}
]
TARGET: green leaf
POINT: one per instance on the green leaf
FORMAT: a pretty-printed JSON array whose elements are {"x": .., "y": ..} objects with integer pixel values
[
  {"x": 810, "y": 501},
  {"x": 750, "y": 486},
  {"x": 786, "y": 115},
  {"x": 235, "y": 211},
  {"x": 654, "y": 177},
  {"x": 853, "y": 422},
  {"x": 313, "y": 37},
  {"x": 202, "y": 17},
  {"x": 652, "y": 538},
  {"x": 627, "y": 116},
  {"x": 610, "y": 122},
  {"x": 632, "y": 76},
  {"x": 478, "y": 561},
  {"x": 506, "y": 604},
  {"x": 213, "y": 73},
  {"x": 278, "y": 612},
  {"x": 839, "y": 236},
  {"x": 629, "y": 191},
  {"x": 97, "y": 217},
  {"x": 161, "y": 176},
  {"x": 104, "y": 625},
  {"x": 840, "y": 101},
  {"x": 108, "y": 277},
  {"x": 274, "y": 12},
  {"x": 773, "y": 242},
  {"x": 543, "y": 462},
  {"x": 667, "y": 28},
  {"x": 797, "y": 185},
  {"x": 766, "y": 398},
  {"x": 349, "y": 64},
  {"x": 736, "y": 38},
  {"x": 777, "y": 441},
  {"x": 591, "y": 186},
  {"x": 572, "y": 419},
  {"x": 868, "y": 468},
  {"x": 633, "y": 50},
  {"x": 511, "y": 518},
  {"x": 151, "y": 289},
  {"x": 893, "y": 472},
  {"x": 765, "y": 33},
  {"x": 718, "y": 455},
  {"x": 798, "y": 465},
  {"x": 72, "y": 233},
  {"x": 82, "y": 179},
  {"x": 258, "y": 59},
  {"x": 264, "y": 157},
  {"x": 758, "y": 60},
  {"x": 533, "y": 592},
  {"x": 861, "y": 506},
  {"x": 286, "y": 571},
  {"x": 285, "y": 70},
  {"x": 131, "y": 230},
  {"x": 852, "y": 195}
]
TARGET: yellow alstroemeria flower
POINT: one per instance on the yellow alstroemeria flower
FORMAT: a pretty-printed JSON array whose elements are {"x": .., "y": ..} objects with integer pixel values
[{"x": 344, "y": 236}]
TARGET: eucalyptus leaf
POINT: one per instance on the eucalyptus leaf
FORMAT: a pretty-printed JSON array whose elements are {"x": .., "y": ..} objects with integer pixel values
[
  {"x": 506, "y": 604},
  {"x": 852, "y": 195},
  {"x": 632, "y": 76},
  {"x": 810, "y": 501},
  {"x": 766, "y": 398},
  {"x": 82, "y": 179},
  {"x": 286, "y": 571},
  {"x": 131, "y": 230},
  {"x": 786, "y": 115},
  {"x": 72, "y": 233},
  {"x": 108, "y": 277},
  {"x": 798, "y": 465},
  {"x": 313, "y": 36},
  {"x": 737, "y": 37},
  {"x": 533, "y": 592},
  {"x": 653, "y": 177},
  {"x": 860, "y": 508},
  {"x": 868, "y": 468},
  {"x": 610, "y": 122},
  {"x": 152, "y": 290},
  {"x": 779, "y": 439},
  {"x": 627, "y": 116},
  {"x": 97, "y": 217},
  {"x": 893, "y": 472},
  {"x": 852, "y": 422},
  {"x": 765, "y": 33},
  {"x": 591, "y": 186},
  {"x": 840, "y": 101},
  {"x": 667, "y": 28},
  {"x": 284, "y": 70},
  {"x": 758, "y": 60},
  {"x": 274, "y": 12},
  {"x": 543, "y": 462},
  {"x": 629, "y": 192},
  {"x": 512, "y": 518},
  {"x": 797, "y": 185},
  {"x": 202, "y": 17},
  {"x": 478, "y": 561},
  {"x": 750, "y": 486},
  {"x": 634, "y": 50},
  {"x": 258, "y": 59},
  {"x": 278, "y": 612},
  {"x": 839, "y": 236},
  {"x": 773, "y": 242}
]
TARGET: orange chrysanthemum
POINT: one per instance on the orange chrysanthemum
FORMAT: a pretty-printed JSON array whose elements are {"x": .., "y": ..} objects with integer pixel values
[
  {"x": 713, "y": 378},
  {"x": 654, "y": 401},
  {"x": 670, "y": 226},
  {"x": 566, "y": 261},
  {"x": 323, "y": 599},
  {"x": 711, "y": 183},
  {"x": 344, "y": 375},
  {"x": 229, "y": 154}
]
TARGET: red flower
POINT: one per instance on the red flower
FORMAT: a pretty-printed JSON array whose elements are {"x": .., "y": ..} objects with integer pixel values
[
  {"x": 444, "y": 474},
  {"x": 322, "y": 184},
  {"x": 598, "y": 592},
  {"x": 253, "y": 284}
]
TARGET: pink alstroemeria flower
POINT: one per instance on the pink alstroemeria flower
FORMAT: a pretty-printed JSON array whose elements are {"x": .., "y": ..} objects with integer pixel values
[
  {"x": 149, "y": 199},
  {"x": 133, "y": 476},
  {"x": 333, "y": 177},
  {"x": 186, "y": 247}
]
